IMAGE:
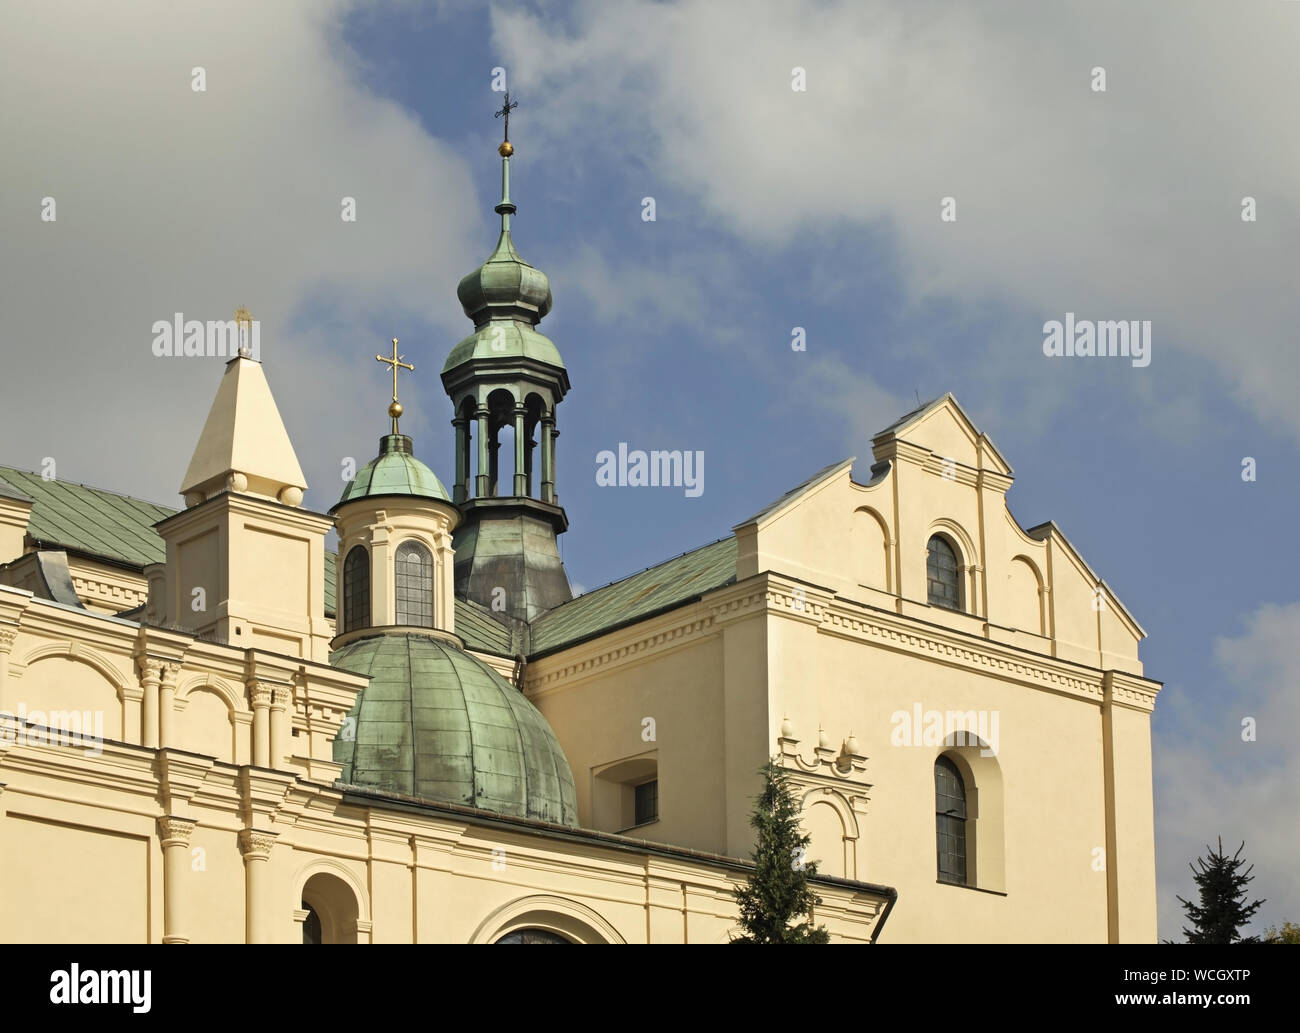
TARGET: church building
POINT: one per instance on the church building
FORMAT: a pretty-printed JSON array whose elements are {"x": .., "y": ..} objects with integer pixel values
[{"x": 215, "y": 728}]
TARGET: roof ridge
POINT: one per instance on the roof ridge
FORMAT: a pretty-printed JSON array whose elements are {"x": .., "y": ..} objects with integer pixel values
[{"x": 89, "y": 487}]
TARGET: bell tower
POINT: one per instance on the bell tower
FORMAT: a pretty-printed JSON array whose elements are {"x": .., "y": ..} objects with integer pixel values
[{"x": 505, "y": 381}]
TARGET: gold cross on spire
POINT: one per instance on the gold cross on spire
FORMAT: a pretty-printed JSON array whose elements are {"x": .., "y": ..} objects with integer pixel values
[{"x": 395, "y": 410}]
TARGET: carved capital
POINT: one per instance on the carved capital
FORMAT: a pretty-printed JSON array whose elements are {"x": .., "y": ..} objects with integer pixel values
[
  {"x": 170, "y": 673},
  {"x": 259, "y": 693},
  {"x": 8, "y": 636},
  {"x": 174, "y": 830},
  {"x": 150, "y": 671},
  {"x": 255, "y": 844},
  {"x": 281, "y": 697}
]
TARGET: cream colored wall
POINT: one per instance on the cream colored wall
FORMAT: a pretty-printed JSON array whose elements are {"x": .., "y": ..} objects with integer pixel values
[
  {"x": 92, "y": 829},
  {"x": 261, "y": 566},
  {"x": 1040, "y": 810},
  {"x": 171, "y": 845},
  {"x": 14, "y": 515},
  {"x": 1050, "y": 760},
  {"x": 828, "y": 626},
  {"x": 677, "y": 684},
  {"x": 105, "y": 588},
  {"x": 152, "y": 687},
  {"x": 869, "y": 543}
]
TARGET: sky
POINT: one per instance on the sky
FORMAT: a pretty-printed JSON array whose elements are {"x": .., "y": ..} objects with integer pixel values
[{"x": 775, "y": 208}]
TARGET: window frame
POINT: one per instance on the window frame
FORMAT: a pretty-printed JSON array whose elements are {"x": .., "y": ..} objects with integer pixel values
[
  {"x": 952, "y": 829},
  {"x": 403, "y": 594},
  {"x": 352, "y": 598},
  {"x": 958, "y": 585},
  {"x": 637, "y": 819}
]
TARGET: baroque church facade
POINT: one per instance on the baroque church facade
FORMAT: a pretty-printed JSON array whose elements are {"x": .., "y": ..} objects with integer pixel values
[{"x": 214, "y": 729}]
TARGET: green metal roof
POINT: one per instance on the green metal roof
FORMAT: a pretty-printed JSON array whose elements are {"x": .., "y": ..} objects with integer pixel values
[
  {"x": 395, "y": 471},
  {"x": 89, "y": 520},
  {"x": 502, "y": 340},
  {"x": 436, "y": 723},
  {"x": 505, "y": 285},
  {"x": 480, "y": 630},
  {"x": 105, "y": 524},
  {"x": 655, "y": 589},
  {"x": 8, "y": 491}
]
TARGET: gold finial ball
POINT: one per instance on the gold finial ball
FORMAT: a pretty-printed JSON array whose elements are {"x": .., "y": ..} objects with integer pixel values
[
  {"x": 395, "y": 410},
  {"x": 506, "y": 149}
]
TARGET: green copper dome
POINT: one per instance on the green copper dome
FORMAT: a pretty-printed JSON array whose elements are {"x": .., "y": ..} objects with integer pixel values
[
  {"x": 505, "y": 285},
  {"x": 505, "y": 340},
  {"x": 435, "y": 722},
  {"x": 395, "y": 471}
]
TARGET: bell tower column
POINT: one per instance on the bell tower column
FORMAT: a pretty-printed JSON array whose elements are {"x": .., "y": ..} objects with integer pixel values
[
  {"x": 521, "y": 478},
  {"x": 481, "y": 484},
  {"x": 548, "y": 459},
  {"x": 462, "y": 458}
]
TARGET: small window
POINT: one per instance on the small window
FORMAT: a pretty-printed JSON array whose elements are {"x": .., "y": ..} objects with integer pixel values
[
  {"x": 356, "y": 589},
  {"x": 943, "y": 576},
  {"x": 414, "y": 583},
  {"x": 950, "y": 821},
  {"x": 647, "y": 802}
]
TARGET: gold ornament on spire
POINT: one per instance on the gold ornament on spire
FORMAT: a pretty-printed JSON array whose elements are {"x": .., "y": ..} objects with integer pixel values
[{"x": 395, "y": 410}]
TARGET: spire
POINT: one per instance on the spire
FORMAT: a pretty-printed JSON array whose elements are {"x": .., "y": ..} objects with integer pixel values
[
  {"x": 505, "y": 287},
  {"x": 244, "y": 446},
  {"x": 507, "y": 376}
]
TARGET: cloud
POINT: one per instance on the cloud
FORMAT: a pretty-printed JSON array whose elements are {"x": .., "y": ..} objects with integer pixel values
[
  {"x": 170, "y": 200},
  {"x": 1116, "y": 205},
  {"x": 1209, "y": 783}
]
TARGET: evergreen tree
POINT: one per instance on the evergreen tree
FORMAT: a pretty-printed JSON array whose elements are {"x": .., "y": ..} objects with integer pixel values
[
  {"x": 1223, "y": 910},
  {"x": 1289, "y": 932},
  {"x": 778, "y": 893}
]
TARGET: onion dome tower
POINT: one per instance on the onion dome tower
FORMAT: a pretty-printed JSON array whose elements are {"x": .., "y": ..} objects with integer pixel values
[
  {"x": 435, "y": 721},
  {"x": 507, "y": 377}
]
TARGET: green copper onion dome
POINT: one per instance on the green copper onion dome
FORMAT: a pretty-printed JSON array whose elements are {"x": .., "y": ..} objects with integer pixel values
[
  {"x": 437, "y": 723},
  {"x": 506, "y": 298},
  {"x": 395, "y": 471},
  {"x": 505, "y": 286}
]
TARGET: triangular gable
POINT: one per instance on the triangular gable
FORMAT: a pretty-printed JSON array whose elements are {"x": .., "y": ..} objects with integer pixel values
[
  {"x": 1050, "y": 529},
  {"x": 809, "y": 487},
  {"x": 909, "y": 428}
]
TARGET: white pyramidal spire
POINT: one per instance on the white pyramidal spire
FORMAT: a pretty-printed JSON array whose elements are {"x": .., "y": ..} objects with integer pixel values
[{"x": 244, "y": 447}]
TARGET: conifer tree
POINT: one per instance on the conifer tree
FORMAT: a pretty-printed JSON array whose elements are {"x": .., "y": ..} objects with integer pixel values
[
  {"x": 1223, "y": 910},
  {"x": 776, "y": 905}
]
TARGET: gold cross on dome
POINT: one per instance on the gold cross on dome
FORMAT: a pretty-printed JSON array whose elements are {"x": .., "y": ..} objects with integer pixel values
[{"x": 397, "y": 363}]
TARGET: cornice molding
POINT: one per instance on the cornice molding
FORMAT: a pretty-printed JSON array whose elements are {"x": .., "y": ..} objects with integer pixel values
[{"x": 770, "y": 593}]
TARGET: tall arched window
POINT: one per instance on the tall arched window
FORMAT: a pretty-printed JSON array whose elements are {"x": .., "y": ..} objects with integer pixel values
[
  {"x": 356, "y": 589},
  {"x": 950, "y": 821},
  {"x": 414, "y": 581},
  {"x": 942, "y": 574}
]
